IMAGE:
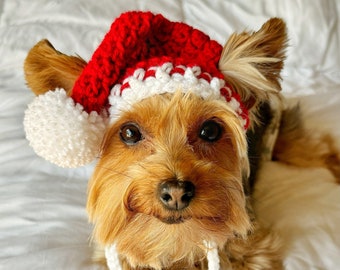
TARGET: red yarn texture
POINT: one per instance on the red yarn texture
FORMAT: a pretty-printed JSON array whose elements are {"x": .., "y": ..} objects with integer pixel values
[{"x": 140, "y": 39}]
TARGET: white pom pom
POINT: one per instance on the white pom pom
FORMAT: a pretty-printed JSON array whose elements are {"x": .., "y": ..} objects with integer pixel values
[{"x": 61, "y": 131}]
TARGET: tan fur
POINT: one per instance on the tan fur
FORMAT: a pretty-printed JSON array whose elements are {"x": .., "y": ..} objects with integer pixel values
[
  {"x": 47, "y": 69},
  {"x": 252, "y": 62},
  {"x": 261, "y": 249},
  {"x": 301, "y": 147}
]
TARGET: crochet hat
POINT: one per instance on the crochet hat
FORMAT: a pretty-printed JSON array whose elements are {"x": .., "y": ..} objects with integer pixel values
[{"x": 142, "y": 55}]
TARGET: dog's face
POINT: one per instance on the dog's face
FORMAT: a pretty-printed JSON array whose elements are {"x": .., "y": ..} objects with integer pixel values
[{"x": 170, "y": 178}]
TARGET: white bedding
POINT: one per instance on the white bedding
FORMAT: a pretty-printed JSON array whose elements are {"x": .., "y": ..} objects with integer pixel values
[{"x": 43, "y": 222}]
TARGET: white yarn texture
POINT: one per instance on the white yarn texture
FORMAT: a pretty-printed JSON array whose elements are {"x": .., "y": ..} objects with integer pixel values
[
  {"x": 61, "y": 131},
  {"x": 212, "y": 256},
  {"x": 165, "y": 82},
  {"x": 112, "y": 258}
]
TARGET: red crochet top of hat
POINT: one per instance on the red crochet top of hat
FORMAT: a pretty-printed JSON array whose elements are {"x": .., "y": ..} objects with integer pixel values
[{"x": 134, "y": 38}]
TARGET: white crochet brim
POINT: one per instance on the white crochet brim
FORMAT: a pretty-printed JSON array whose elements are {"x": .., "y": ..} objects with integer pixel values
[
  {"x": 61, "y": 131},
  {"x": 164, "y": 81}
]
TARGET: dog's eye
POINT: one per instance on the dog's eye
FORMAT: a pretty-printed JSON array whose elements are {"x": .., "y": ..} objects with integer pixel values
[
  {"x": 130, "y": 134},
  {"x": 210, "y": 131}
]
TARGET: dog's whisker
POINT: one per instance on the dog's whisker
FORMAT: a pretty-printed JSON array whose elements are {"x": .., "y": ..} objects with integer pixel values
[
  {"x": 114, "y": 172},
  {"x": 234, "y": 188}
]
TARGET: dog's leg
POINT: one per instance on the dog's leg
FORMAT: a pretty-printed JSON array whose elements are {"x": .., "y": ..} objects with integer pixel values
[
  {"x": 262, "y": 249},
  {"x": 299, "y": 147}
]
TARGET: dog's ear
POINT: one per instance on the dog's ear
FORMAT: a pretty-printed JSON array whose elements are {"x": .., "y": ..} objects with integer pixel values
[
  {"x": 251, "y": 62},
  {"x": 47, "y": 69}
]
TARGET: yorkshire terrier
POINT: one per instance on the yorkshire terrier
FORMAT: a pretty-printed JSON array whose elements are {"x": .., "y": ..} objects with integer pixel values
[{"x": 172, "y": 188}]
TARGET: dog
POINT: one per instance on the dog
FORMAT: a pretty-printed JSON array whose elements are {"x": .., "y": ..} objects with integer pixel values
[{"x": 172, "y": 188}]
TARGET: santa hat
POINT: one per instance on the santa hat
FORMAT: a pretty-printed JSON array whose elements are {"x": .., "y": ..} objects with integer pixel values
[{"x": 142, "y": 55}]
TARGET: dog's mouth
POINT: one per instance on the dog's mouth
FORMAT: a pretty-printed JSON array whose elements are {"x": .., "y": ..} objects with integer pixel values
[
  {"x": 173, "y": 219},
  {"x": 178, "y": 217},
  {"x": 181, "y": 219}
]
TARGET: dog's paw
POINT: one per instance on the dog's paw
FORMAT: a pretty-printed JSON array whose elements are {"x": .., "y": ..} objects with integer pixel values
[{"x": 261, "y": 250}]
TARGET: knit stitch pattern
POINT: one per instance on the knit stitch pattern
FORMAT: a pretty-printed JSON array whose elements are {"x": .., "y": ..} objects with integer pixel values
[
  {"x": 61, "y": 131},
  {"x": 133, "y": 38}
]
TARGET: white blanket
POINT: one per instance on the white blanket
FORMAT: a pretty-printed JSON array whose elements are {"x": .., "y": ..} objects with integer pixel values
[{"x": 43, "y": 222}]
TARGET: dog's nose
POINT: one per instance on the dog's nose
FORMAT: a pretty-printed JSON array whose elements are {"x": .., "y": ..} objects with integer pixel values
[{"x": 176, "y": 195}]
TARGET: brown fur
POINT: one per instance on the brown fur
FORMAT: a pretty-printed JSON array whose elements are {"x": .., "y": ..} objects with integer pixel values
[
  {"x": 301, "y": 147},
  {"x": 47, "y": 69},
  {"x": 122, "y": 197},
  {"x": 262, "y": 249},
  {"x": 252, "y": 62}
]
